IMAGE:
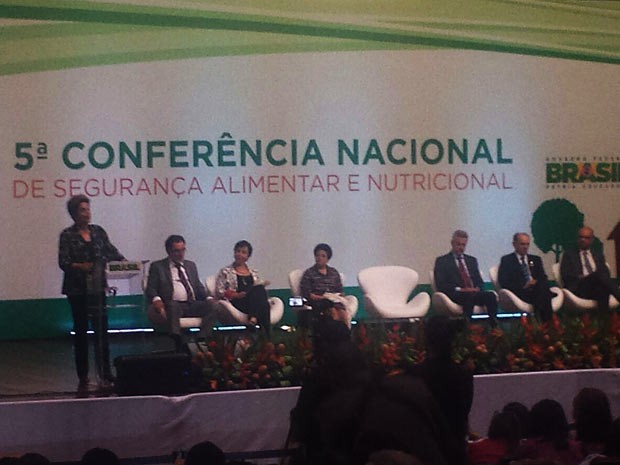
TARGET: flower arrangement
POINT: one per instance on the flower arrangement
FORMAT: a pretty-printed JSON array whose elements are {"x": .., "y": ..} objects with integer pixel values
[
  {"x": 245, "y": 362},
  {"x": 572, "y": 341}
]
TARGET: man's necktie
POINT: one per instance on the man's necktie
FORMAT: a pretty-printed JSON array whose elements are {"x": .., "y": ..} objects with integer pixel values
[
  {"x": 586, "y": 262},
  {"x": 183, "y": 279},
  {"x": 525, "y": 271},
  {"x": 465, "y": 278}
]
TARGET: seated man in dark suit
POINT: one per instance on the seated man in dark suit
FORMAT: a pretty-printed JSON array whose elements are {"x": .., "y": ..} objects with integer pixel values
[
  {"x": 524, "y": 274},
  {"x": 585, "y": 273},
  {"x": 457, "y": 275},
  {"x": 174, "y": 290}
]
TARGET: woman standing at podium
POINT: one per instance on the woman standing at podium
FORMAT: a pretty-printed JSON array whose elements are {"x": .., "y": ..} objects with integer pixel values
[{"x": 83, "y": 251}]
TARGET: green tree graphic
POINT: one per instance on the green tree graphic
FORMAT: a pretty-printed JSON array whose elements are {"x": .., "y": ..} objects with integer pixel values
[{"x": 554, "y": 226}]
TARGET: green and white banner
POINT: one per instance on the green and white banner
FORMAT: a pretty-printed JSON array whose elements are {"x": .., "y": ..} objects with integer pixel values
[{"x": 377, "y": 127}]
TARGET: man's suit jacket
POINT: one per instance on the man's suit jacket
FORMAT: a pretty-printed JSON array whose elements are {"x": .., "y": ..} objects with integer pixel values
[
  {"x": 510, "y": 276},
  {"x": 448, "y": 276},
  {"x": 571, "y": 271},
  {"x": 159, "y": 281}
]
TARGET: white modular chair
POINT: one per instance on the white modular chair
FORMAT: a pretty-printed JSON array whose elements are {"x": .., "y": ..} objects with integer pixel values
[
  {"x": 228, "y": 314},
  {"x": 294, "y": 280},
  {"x": 387, "y": 289},
  {"x": 579, "y": 303},
  {"x": 160, "y": 321},
  {"x": 509, "y": 301},
  {"x": 446, "y": 306}
]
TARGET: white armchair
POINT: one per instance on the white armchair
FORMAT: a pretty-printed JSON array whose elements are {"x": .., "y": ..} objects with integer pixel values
[
  {"x": 574, "y": 302},
  {"x": 446, "y": 306},
  {"x": 160, "y": 321},
  {"x": 509, "y": 301},
  {"x": 229, "y": 315},
  {"x": 387, "y": 289},
  {"x": 294, "y": 280}
]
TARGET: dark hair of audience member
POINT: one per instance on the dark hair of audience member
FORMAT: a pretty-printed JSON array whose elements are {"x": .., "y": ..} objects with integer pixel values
[
  {"x": 99, "y": 456},
  {"x": 592, "y": 415},
  {"x": 33, "y": 458},
  {"x": 522, "y": 414},
  {"x": 439, "y": 333},
  {"x": 505, "y": 426},
  {"x": 205, "y": 453},
  {"x": 548, "y": 422},
  {"x": 612, "y": 448},
  {"x": 9, "y": 460}
]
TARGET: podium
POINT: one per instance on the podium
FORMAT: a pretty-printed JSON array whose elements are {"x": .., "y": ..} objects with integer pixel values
[{"x": 122, "y": 275}]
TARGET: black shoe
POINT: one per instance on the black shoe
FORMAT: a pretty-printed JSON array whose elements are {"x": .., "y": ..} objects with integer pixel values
[{"x": 84, "y": 387}]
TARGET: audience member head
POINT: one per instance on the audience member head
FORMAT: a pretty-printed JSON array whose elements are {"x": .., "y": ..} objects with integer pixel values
[
  {"x": 612, "y": 449},
  {"x": 99, "y": 456},
  {"x": 505, "y": 427},
  {"x": 32, "y": 458},
  {"x": 439, "y": 333},
  {"x": 592, "y": 415},
  {"x": 522, "y": 414},
  {"x": 548, "y": 422},
  {"x": 205, "y": 453}
]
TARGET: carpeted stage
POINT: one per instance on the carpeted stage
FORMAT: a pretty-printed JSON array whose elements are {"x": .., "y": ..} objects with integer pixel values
[{"x": 39, "y": 410}]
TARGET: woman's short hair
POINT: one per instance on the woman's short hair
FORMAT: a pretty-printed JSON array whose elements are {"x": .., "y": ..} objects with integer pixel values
[
  {"x": 325, "y": 248},
  {"x": 242, "y": 244},
  {"x": 73, "y": 204}
]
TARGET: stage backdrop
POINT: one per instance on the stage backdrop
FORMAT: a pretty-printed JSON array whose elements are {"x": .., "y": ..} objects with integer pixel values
[{"x": 378, "y": 128}]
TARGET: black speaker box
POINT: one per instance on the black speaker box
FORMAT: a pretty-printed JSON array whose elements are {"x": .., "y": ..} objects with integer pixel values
[{"x": 153, "y": 374}]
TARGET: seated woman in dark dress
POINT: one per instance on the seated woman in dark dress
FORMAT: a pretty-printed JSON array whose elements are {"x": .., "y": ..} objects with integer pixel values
[
  {"x": 241, "y": 285},
  {"x": 320, "y": 283}
]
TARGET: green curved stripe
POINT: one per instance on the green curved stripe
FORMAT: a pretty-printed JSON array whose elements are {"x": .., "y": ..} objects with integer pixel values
[{"x": 146, "y": 33}]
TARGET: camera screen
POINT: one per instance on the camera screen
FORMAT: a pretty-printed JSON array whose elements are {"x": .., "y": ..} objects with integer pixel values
[{"x": 296, "y": 302}]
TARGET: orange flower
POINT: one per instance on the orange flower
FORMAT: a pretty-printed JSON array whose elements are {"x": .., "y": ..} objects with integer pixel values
[{"x": 558, "y": 364}]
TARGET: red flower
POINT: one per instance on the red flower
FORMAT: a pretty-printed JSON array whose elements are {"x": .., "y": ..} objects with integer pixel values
[{"x": 536, "y": 351}]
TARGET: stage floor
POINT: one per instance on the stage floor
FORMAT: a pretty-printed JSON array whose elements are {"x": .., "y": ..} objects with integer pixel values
[{"x": 45, "y": 368}]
